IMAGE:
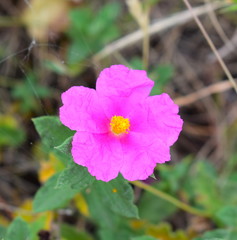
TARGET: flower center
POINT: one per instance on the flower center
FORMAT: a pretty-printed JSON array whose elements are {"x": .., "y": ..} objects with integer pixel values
[{"x": 119, "y": 125}]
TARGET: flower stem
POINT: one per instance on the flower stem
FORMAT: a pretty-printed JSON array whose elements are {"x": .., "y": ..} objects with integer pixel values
[{"x": 170, "y": 199}]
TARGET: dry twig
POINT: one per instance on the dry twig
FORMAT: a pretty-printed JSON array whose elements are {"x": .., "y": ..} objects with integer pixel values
[
  {"x": 212, "y": 46},
  {"x": 204, "y": 92},
  {"x": 158, "y": 26}
]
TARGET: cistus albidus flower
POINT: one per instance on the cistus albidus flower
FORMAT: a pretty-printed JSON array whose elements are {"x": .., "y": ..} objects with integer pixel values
[{"x": 119, "y": 127}]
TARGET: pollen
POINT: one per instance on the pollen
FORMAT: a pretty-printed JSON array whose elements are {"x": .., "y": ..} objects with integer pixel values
[{"x": 119, "y": 125}]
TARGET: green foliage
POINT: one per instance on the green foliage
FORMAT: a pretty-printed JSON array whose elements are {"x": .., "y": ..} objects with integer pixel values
[
  {"x": 75, "y": 176},
  {"x": 161, "y": 75},
  {"x": 219, "y": 234},
  {"x": 35, "y": 227},
  {"x": 29, "y": 93},
  {"x": 208, "y": 190},
  {"x": 205, "y": 185},
  {"x": 49, "y": 197},
  {"x": 51, "y": 130},
  {"x": 89, "y": 32},
  {"x": 17, "y": 230},
  {"x": 70, "y": 233},
  {"x": 110, "y": 203},
  {"x": 155, "y": 209},
  {"x": 228, "y": 215},
  {"x": 10, "y": 132},
  {"x": 2, "y": 232},
  {"x": 116, "y": 195},
  {"x": 144, "y": 238},
  {"x": 231, "y": 8},
  {"x": 172, "y": 180}
]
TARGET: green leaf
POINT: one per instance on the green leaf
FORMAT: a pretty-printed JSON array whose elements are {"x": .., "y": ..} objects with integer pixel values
[
  {"x": 136, "y": 63},
  {"x": 28, "y": 91},
  {"x": 63, "y": 152},
  {"x": 162, "y": 75},
  {"x": 11, "y": 134},
  {"x": 70, "y": 233},
  {"x": 116, "y": 195},
  {"x": 172, "y": 178},
  {"x": 18, "y": 229},
  {"x": 228, "y": 215},
  {"x": 102, "y": 21},
  {"x": 144, "y": 238},
  {"x": 65, "y": 148},
  {"x": 51, "y": 130},
  {"x": 36, "y": 226},
  {"x": 76, "y": 176},
  {"x": 231, "y": 8},
  {"x": 48, "y": 197},
  {"x": 103, "y": 216},
  {"x": 205, "y": 183},
  {"x": 80, "y": 19},
  {"x": 120, "y": 230},
  {"x": 149, "y": 207},
  {"x": 89, "y": 32},
  {"x": 218, "y": 234},
  {"x": 78, "y": 50},
  {"x": 3, "y": 231}
]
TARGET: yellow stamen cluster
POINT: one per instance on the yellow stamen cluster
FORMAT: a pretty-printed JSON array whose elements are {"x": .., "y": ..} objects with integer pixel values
[{"x": 119, "y": 125}]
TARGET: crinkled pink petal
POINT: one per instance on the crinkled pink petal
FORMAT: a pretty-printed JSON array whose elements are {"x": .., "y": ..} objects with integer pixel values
[
  {"x": 141, "y": 153},
  {"x": 81, "y": 111},
  {"x": 100, "y": 153},
  {"x": 163, "y": 117},
  {"x": 154, "y": 125},
  {"x": 119, "y": 84}
]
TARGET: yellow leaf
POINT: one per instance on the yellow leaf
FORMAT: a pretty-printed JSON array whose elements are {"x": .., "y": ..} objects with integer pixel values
[
  {"x": 46, "y": 171},
  {"x": 49, "y": 168},
  {"x": 137, "y": 224},
  {"x": 25, "y": 211},
  {"x": 81, "y": 205},
  {"x": 42, "y": 16},
  {"x": 4, "y": 221},
  {"x": 164, "y": 232}
]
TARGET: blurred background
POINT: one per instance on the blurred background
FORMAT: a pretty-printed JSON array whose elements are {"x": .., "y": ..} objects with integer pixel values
[{"x": 48, "y": 46}]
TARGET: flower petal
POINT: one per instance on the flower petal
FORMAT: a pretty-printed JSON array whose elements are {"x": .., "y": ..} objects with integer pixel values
[
  {"x": 100, "y": 153},
  {"x": 81, "y": 111},
  {"x": 141, "y": 153},
  {"x": 120, "y": 86},
  {"x": 163, "y": 117}
]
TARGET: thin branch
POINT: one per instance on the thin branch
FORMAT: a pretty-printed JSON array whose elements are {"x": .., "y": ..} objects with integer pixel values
[
  {"x": 156, "y": 27},
  {"x": 204, "y": 92},
  {"x": 212, "y": 46},
  {"x": 227, "y": 49},
  {"x": 219, "y": 28},
  {"x": 171, "y": 199}
]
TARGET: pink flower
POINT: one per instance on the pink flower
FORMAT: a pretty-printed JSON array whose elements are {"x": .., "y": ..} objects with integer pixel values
[{"x": 119, "y": 128}]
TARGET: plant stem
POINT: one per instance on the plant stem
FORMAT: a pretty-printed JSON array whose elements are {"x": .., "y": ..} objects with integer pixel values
[{"x": 170, "y": 199}]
